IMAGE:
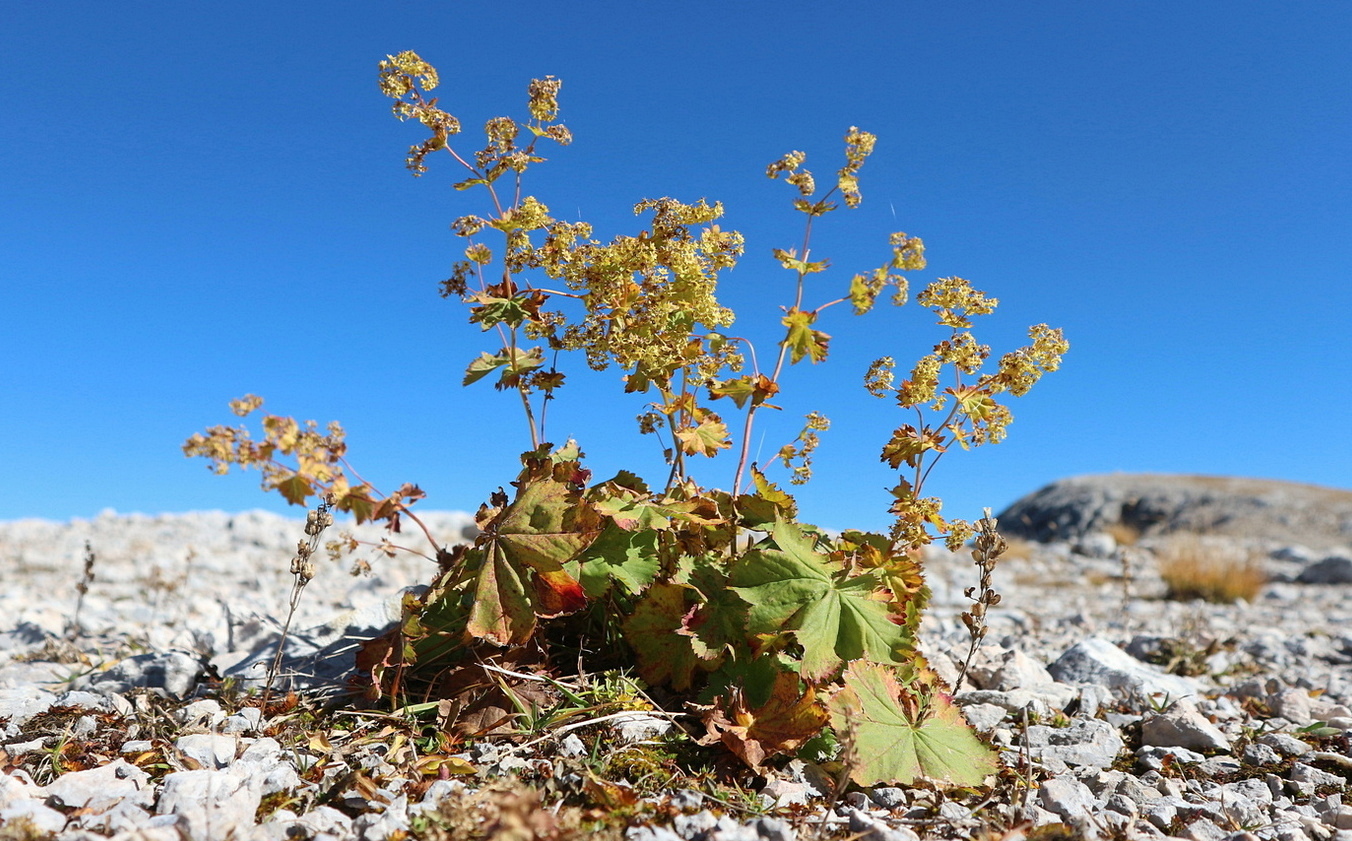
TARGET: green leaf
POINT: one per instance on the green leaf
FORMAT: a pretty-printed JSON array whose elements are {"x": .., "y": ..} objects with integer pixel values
[
  {"x": 635, "y": 514},
  {"x": 516, "y": 361},
  {"x": 718, "y": 624},
  {"x": 482, "y": 367},
  {"x": 802, "y": 340},
  {"x": 492, "y": 311},
  {"x": 898, "y": 740},
  {"x": 835, "y": 619},
  {"x": 740, "y": 389},
  {"x": 627, "y": 557}
]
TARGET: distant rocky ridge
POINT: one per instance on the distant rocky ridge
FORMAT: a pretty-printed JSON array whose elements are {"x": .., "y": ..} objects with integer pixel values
[{"x": 1264, "y": 510}]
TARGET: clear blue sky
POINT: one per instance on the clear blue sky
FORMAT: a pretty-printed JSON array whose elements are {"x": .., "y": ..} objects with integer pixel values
[{"x": 204, "y": 200}]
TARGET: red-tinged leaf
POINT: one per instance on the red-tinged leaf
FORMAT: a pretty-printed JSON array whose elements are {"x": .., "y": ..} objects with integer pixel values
[
  {"x": 525, "y": 546},
  {"x": 358, "y": 505},
  {"x": 908, "y": 444},
  {"x": 782, "y": 725},
  {"x": 665, "y": 657},
  {"x": 768, "y": 504},
  {"x": 901, "y": 738}
]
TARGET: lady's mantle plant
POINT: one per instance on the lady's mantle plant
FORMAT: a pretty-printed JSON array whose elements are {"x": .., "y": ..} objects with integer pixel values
[{"x": 764, "y": 628}]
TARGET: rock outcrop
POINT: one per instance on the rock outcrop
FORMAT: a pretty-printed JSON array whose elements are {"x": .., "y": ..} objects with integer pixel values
[{"x": 1154, "y": 504}]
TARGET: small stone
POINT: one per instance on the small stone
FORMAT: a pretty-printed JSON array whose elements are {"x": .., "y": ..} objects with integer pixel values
[
  {"x": 1308, "y": 778},
  {"x": 1019, "y": 671},
  {"x": 1334, "y": 569},
  {"x": 1096, "y": 544},
  {"x": 170, "y": 673},
  {"x": 211, "y": 804},
  {"x": 983, "y": 717},
  {"x": 1156, "y": 758},
  {"x": 1068, "y": 798},
  {"x": 1098, "y": 661},
  {"x": 99, "y": 789},
  {"x": 1260, "y": 754},
  {"x": 1285, "y": 744},
  {"x": 1292, "y": 705},
  {"x": 1203, "y": 829},
  {"x": 205, "y": 713},
  {"x": 1219, "y": 766},
  {"x": 246, "y": 720},
  {"x": 390, "y": 822},
  {"x": 208, "y": 750},
  {"x": 780, "y": 792},
  {"x": 640, "y": 727},
  {"x": 1162, "y": 812},
  {"x": 890, "y": 797},
  {"x": 572, "y": 746},
  {"x": 80, "y": 698},
  {"x": 1185, "y": 727},
  {"x": 17, "y": 786},
  {"x": 1086, "y": 743},
  {"x": 44, "y": 819},
  {"x": 1339, "y": 817},
  {"x": 865, "y": 827},
  {"x": 774, "y": 829},
  {"x": 686, "y": 799}
]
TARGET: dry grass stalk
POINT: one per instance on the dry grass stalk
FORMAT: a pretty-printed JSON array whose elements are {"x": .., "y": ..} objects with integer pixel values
[
  {"x": 986, "y": 551},
  {"x": 1216, "y": 570},
  {"x": 303, "y": 570},
  {"x": 76, "y": 628}
]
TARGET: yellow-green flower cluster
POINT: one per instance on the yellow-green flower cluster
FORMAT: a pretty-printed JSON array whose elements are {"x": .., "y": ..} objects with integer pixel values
[
  {"x": 400, "y": 73},
  {"x": 962, "y": 351},
  {"x": 404, "y": 78},
  {"x": 1021, "y": 369},
  {"x": 878, "y": 379},
  {"x": 644, "y": 295},
  {"x": 923, "y": 386},
  {"x": 953, "y": 299},
  {"x": 858, "y": 146},
  {"x": 544, "y": 98}
]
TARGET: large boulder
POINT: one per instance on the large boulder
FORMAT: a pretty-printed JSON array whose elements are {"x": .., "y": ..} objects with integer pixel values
[{"x": 1154, "y": 504}]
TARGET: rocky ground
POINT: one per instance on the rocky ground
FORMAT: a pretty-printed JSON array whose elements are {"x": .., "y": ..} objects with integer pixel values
[{"x": 126, "y": 711}]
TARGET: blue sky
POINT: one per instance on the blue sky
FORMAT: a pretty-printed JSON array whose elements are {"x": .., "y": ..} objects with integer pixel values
[{"x": 201, "y": 202}]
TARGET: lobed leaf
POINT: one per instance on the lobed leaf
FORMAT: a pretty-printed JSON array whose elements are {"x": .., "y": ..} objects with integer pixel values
[
  {"x": 836, "y": 619},
  {"x": 802, "y": 340},
  {"x": 900, "y": 741}
]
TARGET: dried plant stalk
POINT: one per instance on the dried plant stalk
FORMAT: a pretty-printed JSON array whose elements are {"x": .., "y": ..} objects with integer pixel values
[
  {"x": 986, "y": 552},
  {"x": 303, "y": 570},
  {"x": 76, "y": 628}
]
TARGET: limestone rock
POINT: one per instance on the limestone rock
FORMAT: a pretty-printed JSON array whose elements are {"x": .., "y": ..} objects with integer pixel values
[
  {"x": 1183, "y": 726},
  {"x": 1096, "y": 660},
  {"x": 1152, "y": 504}
]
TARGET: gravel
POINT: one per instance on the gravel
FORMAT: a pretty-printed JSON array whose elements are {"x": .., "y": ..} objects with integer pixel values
[{"x": 1073, "y": 685}]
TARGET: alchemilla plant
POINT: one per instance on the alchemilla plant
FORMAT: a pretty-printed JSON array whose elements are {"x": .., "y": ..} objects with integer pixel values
[{"x": 775, "y": 636}]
